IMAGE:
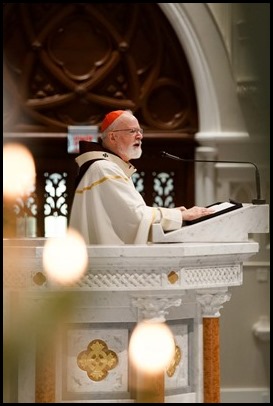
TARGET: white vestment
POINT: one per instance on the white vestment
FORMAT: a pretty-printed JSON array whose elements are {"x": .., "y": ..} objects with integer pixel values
[{"x": 107, "y": 209}]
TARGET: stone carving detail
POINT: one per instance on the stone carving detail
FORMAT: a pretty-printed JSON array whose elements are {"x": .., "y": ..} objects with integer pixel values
[
  {"x": 15, "y": 281},
  {"x": 207, "y": 276},
  {"x": 118, "y": 278},
  {"x": 97, "y": 360},
  {"x": 185, "y": 278},
  {"x": 151, "y": 307},
  {"x": 211, "y": 301},
  {"x": 190, "y": 277},
  {"x": 175, "y": 361}
]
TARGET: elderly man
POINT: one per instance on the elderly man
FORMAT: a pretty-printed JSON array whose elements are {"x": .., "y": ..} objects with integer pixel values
[{"x": 107, "y": 209}]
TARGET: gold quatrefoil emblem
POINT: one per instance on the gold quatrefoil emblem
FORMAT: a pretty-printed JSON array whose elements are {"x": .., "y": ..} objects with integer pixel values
[{"x": 97, "y": 360}]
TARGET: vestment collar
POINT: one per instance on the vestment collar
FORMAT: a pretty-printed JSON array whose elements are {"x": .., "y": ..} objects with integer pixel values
[{"x": 127, "y": 167}]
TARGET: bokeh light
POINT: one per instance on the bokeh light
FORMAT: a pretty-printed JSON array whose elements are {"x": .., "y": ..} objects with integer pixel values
[
  {"x": 65, "y": 259},
  {"x": 18, "y": 170},
  {"x": 151, "y": 346}
]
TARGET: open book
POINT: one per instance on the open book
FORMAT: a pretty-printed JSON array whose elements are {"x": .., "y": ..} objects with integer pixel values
[{"x": 219, "y": 208}]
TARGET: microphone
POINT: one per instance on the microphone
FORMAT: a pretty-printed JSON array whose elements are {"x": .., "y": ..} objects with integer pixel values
[{"x": 258, "y": 200}]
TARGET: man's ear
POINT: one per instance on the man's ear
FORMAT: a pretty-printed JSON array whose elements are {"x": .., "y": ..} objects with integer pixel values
[{"x": 112, "y": 136}]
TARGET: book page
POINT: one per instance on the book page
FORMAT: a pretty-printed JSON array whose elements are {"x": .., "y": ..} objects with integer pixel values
[{"x": 222, "y": 206}]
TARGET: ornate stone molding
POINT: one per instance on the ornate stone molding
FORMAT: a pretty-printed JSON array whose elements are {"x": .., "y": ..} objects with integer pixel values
[
  {"x": 212, "y": 301},
  {"x": 158, "y": 267},
  {"x": 154, "y": 307},
  {"x": 205, "y": 276}
]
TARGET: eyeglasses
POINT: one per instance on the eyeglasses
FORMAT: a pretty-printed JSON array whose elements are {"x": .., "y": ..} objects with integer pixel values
[{"x": 131, "y": 131}]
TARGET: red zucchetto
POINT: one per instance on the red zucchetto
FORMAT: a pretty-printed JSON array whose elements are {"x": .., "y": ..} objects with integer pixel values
[{"x": 110, "y": 118}]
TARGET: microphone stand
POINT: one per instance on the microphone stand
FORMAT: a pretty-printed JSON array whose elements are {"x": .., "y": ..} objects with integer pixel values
[{"x": 258, "y": 200}]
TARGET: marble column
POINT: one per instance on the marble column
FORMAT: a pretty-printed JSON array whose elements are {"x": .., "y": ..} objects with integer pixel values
[{"x": 211, "y": 301}]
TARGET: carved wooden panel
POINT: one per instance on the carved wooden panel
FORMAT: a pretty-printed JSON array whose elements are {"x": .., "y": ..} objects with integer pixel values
[{"x": 69, "y": 64}]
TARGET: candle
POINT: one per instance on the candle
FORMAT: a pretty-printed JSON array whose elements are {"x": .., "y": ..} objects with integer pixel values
[{"x": 151, "y": 350}]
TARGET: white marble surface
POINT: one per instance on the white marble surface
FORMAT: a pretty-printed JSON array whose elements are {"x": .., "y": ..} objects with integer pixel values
[
  {"x": 167, "y": 276},
  {"x": 77, "y": 380},
  {"x": 233, "y": 226},
  {"x": 181, "y": 377},
  {"x": 134, "y": 267}
]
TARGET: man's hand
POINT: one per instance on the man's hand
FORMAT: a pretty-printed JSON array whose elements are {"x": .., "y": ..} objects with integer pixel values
[{"x": 194, "y": 212}]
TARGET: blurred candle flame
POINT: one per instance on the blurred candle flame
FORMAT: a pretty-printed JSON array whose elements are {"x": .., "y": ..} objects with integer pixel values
[
  {"x": 65, "y": 259},
  {"x": 151, "y": 347},
  {"x": 18, "y": 170}
]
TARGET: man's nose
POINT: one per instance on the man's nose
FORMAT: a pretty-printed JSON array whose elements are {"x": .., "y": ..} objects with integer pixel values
[{"x": 139, "y": 135}]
